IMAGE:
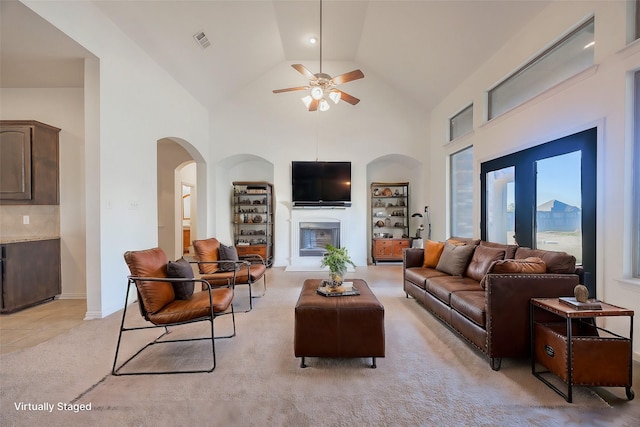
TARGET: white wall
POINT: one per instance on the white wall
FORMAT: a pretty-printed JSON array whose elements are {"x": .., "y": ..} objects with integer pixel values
[
  {"x": 132, "y": 95},
  {"x": 600, "y": 97},
  {"x": 380, "y": 125},
  {"x": 62, "y": 108}
]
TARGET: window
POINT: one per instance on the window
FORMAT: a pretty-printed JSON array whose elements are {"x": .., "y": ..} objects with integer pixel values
[
  {"x": 462, "y": 193},
  {"x": 636, "y": 181},
  {"x": 461, "y": 123},
  {"x": 637, "y": 12},
  {"x": 572, "y": 54},
  {"x": 559, "y": 204},
  {"x": 545, "y": 198}
]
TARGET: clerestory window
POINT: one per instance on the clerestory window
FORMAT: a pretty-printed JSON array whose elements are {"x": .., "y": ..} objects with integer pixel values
[{"x": 569, "y": 56}]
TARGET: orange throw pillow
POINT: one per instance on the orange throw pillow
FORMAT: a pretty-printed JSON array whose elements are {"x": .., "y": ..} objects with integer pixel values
[{"x": 432, "y": 252}]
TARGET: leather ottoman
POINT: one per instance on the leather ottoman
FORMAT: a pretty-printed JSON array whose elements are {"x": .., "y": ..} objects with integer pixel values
[{"x": 338, "y": 326}]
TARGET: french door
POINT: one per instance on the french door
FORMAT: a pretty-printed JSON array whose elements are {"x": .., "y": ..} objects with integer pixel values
[{"x": 545, "y": 198}]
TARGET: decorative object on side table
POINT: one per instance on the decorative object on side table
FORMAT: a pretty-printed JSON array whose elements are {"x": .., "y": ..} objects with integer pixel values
[
  {"x": 337, "y": 260},
  {"x": 581, "y": 293},
  {"x": 581, "y": 300}
]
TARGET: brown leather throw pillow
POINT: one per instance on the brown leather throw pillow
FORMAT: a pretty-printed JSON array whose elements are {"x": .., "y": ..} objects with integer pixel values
[{"x": 531, "y": 265}]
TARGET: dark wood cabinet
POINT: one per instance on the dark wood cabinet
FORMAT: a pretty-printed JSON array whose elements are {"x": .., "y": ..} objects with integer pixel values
[
  {"x": 30, "y": 273},
  {"x": 29, "y": 155}
]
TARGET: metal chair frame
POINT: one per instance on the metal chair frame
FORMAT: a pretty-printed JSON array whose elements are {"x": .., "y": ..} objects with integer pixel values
[
  {"x": 246, "y": 260},
  {"x": 210, "y": 318}
]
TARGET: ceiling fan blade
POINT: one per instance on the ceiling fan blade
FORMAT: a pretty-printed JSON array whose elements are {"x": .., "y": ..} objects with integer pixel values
[
  {"x": 303, "y": 70},
  {"x": 347, "y": 77},
  {"x": 344, "y": 96},
  {"x": 289, "y": 89},
  {"x": 314, "y": 105}
]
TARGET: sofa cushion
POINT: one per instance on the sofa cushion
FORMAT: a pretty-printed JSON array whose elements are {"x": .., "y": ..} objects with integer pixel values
[
  {"x": 419, "y": 275},
  {"x": 471, "y": 304},
  {"x": 229, "y": 253},
  {"x": 557, "y": 262},
  {"x": 432, "y": 252},
  {"x": 463, "y": 241},
  {"x": 181, "y": 269},
  {"x": 443, "y": 286},
  {"x": 531, "y": 265},
  {"x": 509, "y": 250},
  {"x": 454, "y": 258},
  {"x": 481, "y": 260}
]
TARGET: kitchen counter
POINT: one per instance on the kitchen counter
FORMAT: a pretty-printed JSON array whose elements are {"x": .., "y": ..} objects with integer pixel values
[{"x": 7, "y": 240}]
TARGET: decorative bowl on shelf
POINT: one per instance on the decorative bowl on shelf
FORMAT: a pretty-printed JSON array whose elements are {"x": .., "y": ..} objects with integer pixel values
[
  {"x": 382, "y": 235},
  {"x": 379, "y": 223},
  {"x": 387, "y": 192}
]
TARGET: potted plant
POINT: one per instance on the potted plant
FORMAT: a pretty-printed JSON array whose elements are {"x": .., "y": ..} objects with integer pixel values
[{"x": 336, "y": 259}]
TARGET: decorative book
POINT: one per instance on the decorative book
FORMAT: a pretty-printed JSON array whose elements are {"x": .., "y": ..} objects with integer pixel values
[{"x": 591, "y": 304}]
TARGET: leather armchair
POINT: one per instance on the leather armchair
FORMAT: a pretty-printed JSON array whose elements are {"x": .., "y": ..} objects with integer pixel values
[
  {"x": 159, "y": 306},
  {"x": 246, "y": 271}
]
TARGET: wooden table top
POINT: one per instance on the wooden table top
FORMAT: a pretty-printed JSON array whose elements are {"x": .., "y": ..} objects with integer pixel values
[{"x": 555, "y": 306}]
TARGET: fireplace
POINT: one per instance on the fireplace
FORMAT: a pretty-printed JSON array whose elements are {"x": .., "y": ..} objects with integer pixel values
[
  {"x": 314, "y": 236},
  {"x": 311, "y": 230}
]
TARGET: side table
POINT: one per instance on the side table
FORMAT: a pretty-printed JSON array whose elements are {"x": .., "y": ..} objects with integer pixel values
[{"x": 577, "y": 350}]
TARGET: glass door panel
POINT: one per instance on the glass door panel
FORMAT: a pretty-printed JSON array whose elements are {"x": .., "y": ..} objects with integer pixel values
[
  {"x": 500, "y": 205},
  {"x": 559, "y": 204}
]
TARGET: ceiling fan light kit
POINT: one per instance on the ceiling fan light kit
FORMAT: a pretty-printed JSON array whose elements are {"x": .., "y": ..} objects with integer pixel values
[{"x": 321, "y": 84}]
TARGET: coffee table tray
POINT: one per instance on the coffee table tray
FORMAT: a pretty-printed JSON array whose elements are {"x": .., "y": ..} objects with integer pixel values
[{"x": 326, "y": 292}]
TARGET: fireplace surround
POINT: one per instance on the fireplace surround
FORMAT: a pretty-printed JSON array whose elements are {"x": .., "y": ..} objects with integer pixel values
[{"x": 311, "y": 230}]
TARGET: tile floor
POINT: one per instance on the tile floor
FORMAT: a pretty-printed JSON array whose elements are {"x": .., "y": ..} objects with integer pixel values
[{"x": 40, "y": 323}]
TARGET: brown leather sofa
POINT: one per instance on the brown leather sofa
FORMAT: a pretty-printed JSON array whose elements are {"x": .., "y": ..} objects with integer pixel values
[{"x": 488, "y": 304}]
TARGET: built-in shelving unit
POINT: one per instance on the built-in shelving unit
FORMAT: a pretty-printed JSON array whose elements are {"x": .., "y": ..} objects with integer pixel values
[
  {"x": 252, "y": 214},
  {"x": 389, "y": 220}
]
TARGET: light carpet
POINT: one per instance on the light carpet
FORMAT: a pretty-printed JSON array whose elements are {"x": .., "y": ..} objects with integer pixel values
[{"x": 430, "y": 376}]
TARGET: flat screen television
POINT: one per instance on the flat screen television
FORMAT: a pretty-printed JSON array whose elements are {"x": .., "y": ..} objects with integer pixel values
[{"x": 321, "y": 183}]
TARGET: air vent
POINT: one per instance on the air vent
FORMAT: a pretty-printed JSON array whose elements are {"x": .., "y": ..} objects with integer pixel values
[{"x": 202, "y": 40}]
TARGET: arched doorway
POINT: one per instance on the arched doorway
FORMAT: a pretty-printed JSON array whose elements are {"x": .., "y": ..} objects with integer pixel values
[{"x": 178, "y": 171}]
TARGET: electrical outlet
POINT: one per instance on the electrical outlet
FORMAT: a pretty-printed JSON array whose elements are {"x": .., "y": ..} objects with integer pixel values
[{"x": 25, "y": 219}]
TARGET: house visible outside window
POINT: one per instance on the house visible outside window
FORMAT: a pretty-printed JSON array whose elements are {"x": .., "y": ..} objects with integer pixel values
[
  {"x": 572, "y": 54},
  {"x": 461, "y": 123},
  {"x": 636, "y": 180},
  {"x": 462, "y": 193}
]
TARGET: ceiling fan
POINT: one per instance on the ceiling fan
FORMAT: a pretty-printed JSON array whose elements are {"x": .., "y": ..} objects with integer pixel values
[{"x": 322, "y": 84}]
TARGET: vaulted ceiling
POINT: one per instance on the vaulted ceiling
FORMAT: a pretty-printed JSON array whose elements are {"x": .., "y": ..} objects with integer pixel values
[{"x": 422, "y": 49}]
